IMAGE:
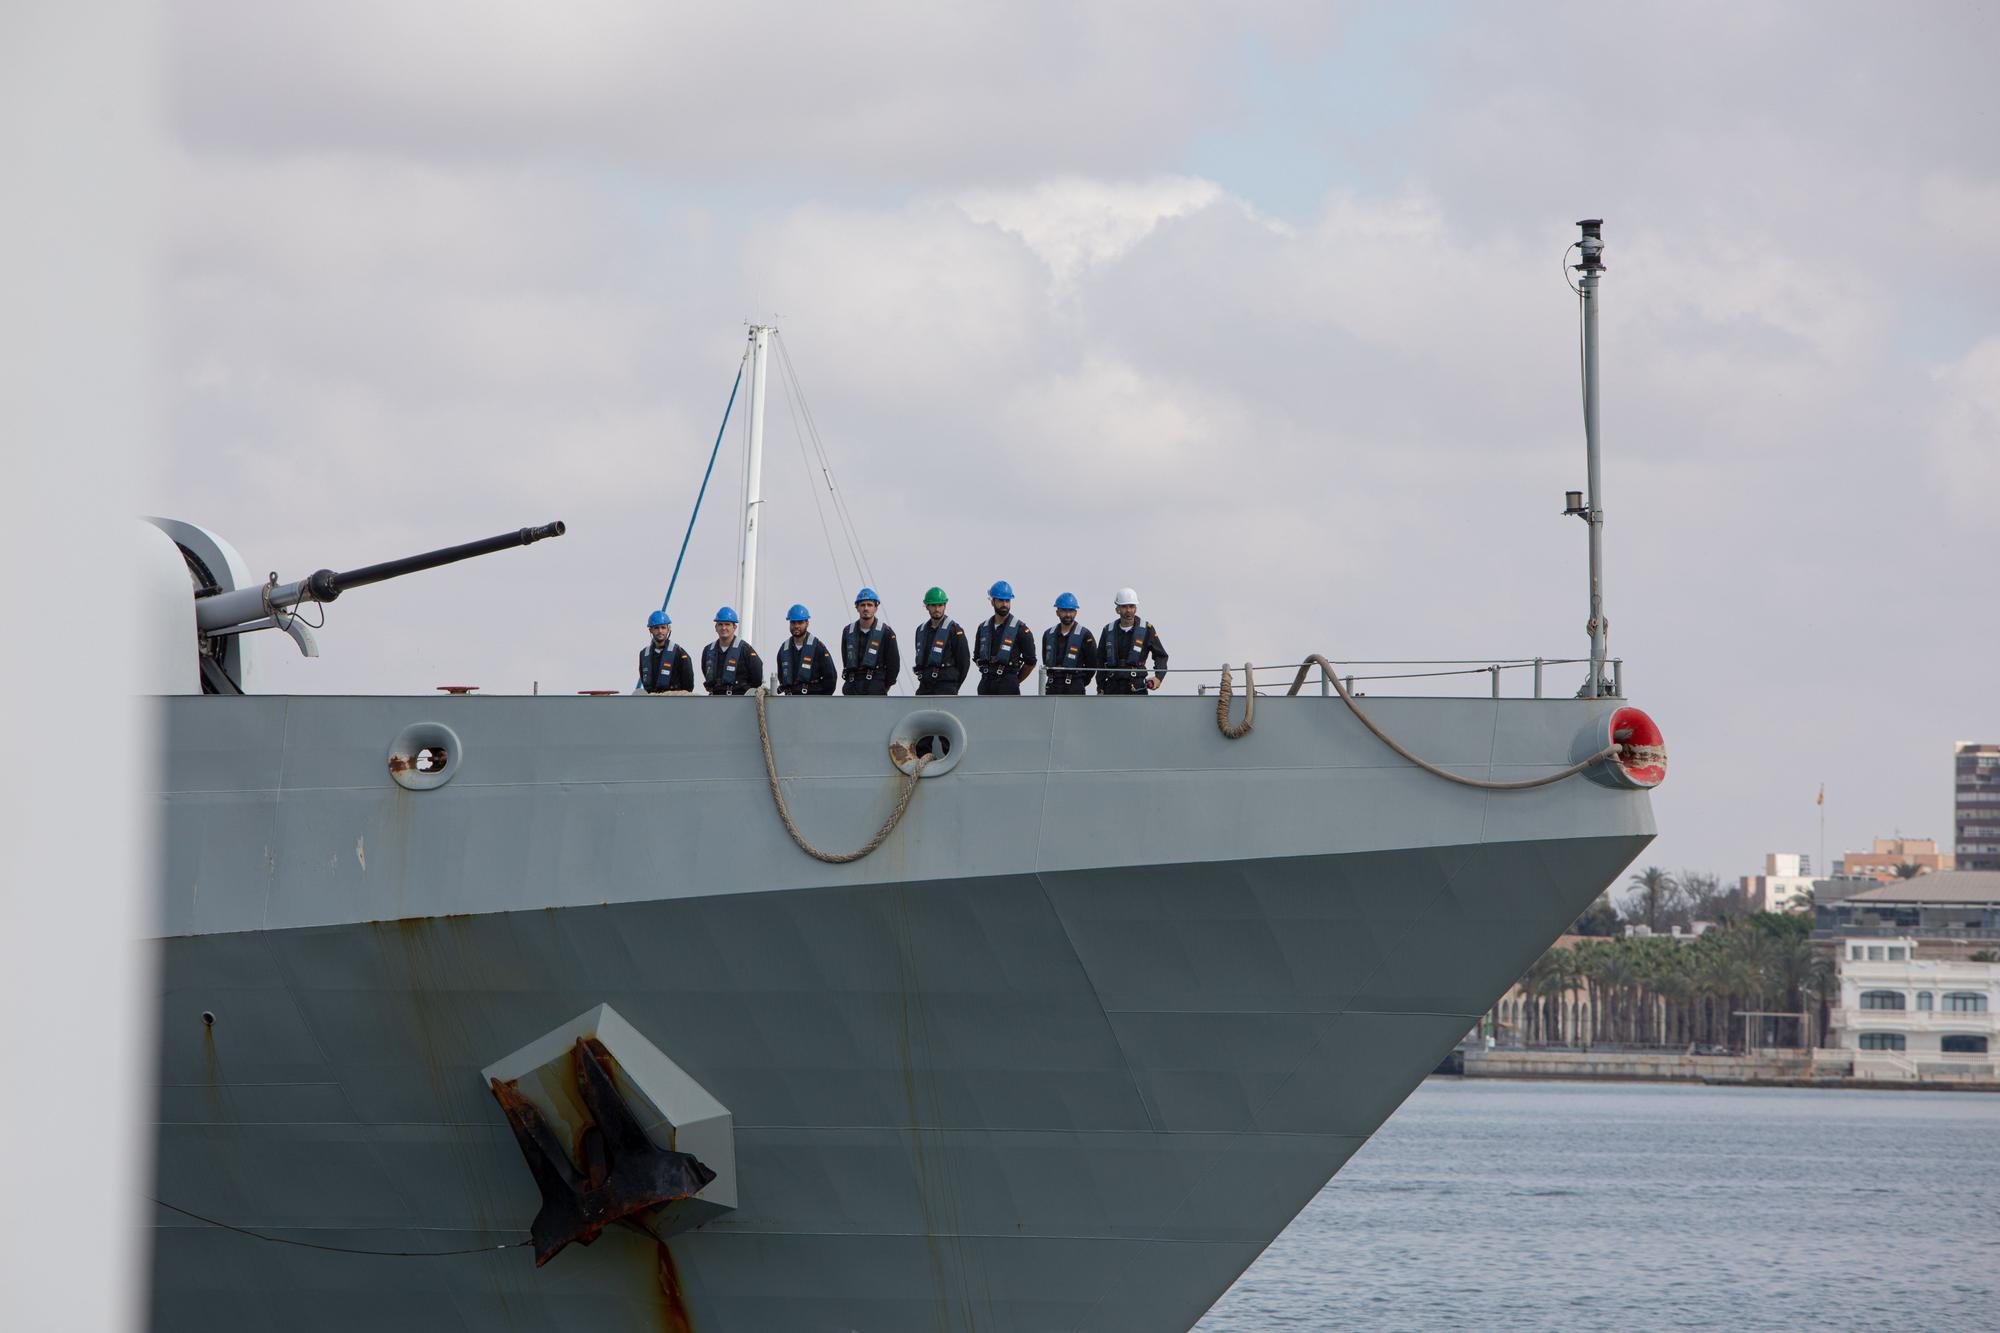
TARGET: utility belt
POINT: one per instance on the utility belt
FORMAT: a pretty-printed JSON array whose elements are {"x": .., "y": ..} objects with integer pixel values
[
  {"x": 859, "y": 673},
  {"x": 994, "y": 668},
  {"x": 944, "y": 673}
]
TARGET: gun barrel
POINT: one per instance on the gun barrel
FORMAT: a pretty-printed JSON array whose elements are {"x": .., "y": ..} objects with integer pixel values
[
  {"x": 246, "y": 604},
  {"x": 411, "y": 564}
]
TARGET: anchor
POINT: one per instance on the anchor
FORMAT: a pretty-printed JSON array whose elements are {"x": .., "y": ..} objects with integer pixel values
[{"x": 620, "y": 1171}]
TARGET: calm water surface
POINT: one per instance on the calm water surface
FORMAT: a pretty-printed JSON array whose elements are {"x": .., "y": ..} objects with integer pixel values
[{"x": 1497, "y": 1205}]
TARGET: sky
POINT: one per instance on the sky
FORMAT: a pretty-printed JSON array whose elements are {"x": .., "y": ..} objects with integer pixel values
[{"x": 1256, "y": 308}]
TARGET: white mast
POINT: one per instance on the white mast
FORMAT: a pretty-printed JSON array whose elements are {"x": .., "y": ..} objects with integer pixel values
[{"x": 753, "y": 487}]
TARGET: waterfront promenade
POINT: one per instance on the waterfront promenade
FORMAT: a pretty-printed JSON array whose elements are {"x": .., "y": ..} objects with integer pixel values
[{"x": 1783, "y": 1068}]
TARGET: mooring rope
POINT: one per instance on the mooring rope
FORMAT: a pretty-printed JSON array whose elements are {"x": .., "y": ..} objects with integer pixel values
[
  {"x": 1242, "y": 729},
  {"x": 910, "y": 781},
  {"x": 1484, "y": 784}
]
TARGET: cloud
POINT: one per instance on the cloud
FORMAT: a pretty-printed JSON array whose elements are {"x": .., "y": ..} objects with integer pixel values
[
  {"x": 909, "y": 305},
  {"x": 1965, "y": 438},
  {"x": 1965, "y": 212},
  {"x": 881, "y": 91},
  {"x": 1072, "y": 224}
]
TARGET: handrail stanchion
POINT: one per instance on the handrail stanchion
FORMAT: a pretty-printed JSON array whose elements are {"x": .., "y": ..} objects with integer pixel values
[
  {"x": 1618, "y": 677},
  {"x": 1494, "y": 672},
  {"x": 1538, "y": 678}
]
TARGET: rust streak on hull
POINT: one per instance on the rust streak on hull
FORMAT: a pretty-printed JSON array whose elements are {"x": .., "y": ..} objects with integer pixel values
[{"x": 673, "y": 1305}]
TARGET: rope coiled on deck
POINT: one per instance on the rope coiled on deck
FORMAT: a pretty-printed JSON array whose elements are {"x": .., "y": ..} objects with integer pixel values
[
  {"x": 1242, "y": 729},
  {"x": 910, "y": 781}
]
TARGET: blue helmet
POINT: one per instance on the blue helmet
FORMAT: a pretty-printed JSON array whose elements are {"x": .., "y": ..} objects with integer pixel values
[
  {"x": 798, "y": 612},
  {"x": 1066, "y": 602},
  {"x": 867, "y": 595},
  {"x": 657, "y": 619},
  {"x": 1003, "y": 590},
  {"x": 727, "y": 616}
]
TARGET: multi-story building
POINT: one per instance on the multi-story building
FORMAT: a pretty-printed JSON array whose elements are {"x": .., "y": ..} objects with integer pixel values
[
  {"x": 1976, "y": 809},
  {"x": 1915, "y": 1012},
  {"x": 1952, "y": 912},
  {"x": 1838, "y": 887},
  {"x": 1785, "y": 886},
  {"x": 1889, "y": 853}
]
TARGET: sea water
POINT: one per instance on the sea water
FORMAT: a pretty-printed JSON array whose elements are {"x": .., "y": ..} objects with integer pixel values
[{"x": 1485, "y": 1204}]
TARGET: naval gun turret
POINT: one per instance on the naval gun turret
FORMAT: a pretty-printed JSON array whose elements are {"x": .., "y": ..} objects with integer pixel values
[{"x": 229, "y": 605}]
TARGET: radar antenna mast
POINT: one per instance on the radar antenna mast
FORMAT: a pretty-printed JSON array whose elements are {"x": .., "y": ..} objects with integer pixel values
[{"x": 1590, "y": 269}]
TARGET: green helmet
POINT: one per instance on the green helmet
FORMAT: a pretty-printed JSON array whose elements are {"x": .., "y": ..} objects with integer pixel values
[{"x": 935, "y": 597}]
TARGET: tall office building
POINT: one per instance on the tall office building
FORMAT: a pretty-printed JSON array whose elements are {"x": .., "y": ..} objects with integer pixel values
[{"x": 1976, "y": 820}]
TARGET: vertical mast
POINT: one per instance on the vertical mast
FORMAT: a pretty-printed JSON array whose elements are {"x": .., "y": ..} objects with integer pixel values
[
  {"x": 753, "y": 488},
  {"x": 1591, "y": 269}
]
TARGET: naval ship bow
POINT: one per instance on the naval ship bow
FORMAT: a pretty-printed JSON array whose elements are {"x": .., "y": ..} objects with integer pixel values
[{"x": 533, "y": 1013}]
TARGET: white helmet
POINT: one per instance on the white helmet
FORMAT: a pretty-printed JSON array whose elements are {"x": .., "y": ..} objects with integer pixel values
[{"x": 1126, "y": 597}]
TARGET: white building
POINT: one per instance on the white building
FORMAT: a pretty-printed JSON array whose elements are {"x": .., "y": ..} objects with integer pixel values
[
  {"x": 1913, "y": 1014},
  {"x": 1785, "y": 885}
]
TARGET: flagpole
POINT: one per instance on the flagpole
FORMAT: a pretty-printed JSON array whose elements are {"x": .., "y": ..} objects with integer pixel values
[{"x": 1824, "y": 868}]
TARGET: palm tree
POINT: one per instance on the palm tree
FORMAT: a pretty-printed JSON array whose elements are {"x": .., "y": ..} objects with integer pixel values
[
  {"x": 1529, "y": 983},
  {"x": 1712, "y": 972},
  {"x": 1559, "y": 983},
  {"x": 1801, "y": 973},
  {"x": 1747, "y": 955},
  {"x": 1616, "y": 977},
  {"x": 1908, "y": 870},
  {"x": 1655, "y": 890},
  {"x": 1546, "y": 983},
  {"x": 1672, "y": 982}
]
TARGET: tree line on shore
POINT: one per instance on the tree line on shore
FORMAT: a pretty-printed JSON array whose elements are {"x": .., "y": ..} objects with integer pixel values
[{"x": 1640, "y": 991}]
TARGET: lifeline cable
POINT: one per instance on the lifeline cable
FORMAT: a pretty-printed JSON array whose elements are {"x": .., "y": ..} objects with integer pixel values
[
  {"x": 338, "y": 1249},
  {"x": 910, "y": 781}
]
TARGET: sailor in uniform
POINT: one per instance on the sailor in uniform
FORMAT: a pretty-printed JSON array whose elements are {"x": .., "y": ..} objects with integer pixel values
[
  {"x": 730, "y": 665},
  {"x": 1069, "y": 651},
  {"x": 941, "y": 658},
  {"x": 1004, "y": 650},
  {"x": 664, "y": 666},
  {"x": 1123, "y": 648},
  {"x": 804, "y": 664},
  {"x": 869, "y": 662}
]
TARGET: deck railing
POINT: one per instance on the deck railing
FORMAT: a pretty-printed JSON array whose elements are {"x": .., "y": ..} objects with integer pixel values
[{"x": 1277, "y": 678}]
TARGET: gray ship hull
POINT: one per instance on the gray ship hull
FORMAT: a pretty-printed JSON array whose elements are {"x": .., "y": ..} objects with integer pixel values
[{"x": 1066, "y": 1053}]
